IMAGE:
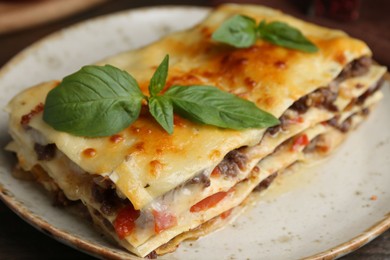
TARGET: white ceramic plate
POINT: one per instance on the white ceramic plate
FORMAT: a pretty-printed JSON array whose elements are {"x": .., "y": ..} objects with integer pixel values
[{"x": 322, "y": 212}]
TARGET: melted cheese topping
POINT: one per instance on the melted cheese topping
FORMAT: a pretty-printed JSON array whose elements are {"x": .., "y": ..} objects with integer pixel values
[{"x": 145, "y": 162}]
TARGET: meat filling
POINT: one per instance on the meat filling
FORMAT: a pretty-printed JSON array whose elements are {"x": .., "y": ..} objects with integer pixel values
[
  {"x": 321, "y": 98},
  {"x": 362, "y": 98},
  {"x": 201, "y": 178},
  {"x": 264, "y": 184},
  {"x": 318, "y": 143},
  {"x": 355, "y": 68},
  {"x": 233, "y": 162},
  {"x": 343, "y": 126},
  {"x": 324, "y": 97},
  {"x": 103, "y": 192},
  {"x": 45, "y": 152}
]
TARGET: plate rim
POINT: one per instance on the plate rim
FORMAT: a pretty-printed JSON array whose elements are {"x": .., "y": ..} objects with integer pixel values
[
  {"x": 91, "y": 248},
  {"x": 35, "y": 45}
]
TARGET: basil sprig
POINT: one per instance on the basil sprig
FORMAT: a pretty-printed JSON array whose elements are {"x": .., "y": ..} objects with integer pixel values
[
  {"x": 103, "y": 100},
  {"x": 241, "y": 32}
]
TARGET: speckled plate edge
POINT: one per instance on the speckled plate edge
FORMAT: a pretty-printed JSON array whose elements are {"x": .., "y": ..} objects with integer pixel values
[
  {"x": 99, "y": 251},
  {"x": 355, "y": 243}
]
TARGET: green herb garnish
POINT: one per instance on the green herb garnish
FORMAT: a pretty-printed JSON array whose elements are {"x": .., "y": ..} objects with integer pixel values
[
  {"x": 95, "y": 101},
  {"x": 241, "y": 32},
  {"x": 103, "y": 100}
]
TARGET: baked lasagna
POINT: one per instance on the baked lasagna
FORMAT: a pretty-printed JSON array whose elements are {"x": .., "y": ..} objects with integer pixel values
[{"x": 150, "y": 190}]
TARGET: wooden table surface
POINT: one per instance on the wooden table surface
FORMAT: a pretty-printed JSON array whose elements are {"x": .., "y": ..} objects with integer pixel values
[{"x": 18, "y": 240}]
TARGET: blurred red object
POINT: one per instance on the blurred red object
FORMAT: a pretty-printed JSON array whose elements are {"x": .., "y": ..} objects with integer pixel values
[{"x": 344, "y": 10}]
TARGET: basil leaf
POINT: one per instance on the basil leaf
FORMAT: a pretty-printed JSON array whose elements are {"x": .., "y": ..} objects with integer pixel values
[
  {"x": 95, "y": 101},
  {"x": 241, "y": 32},
  {"x": 162, "y": 110},
  {"x": 157, "y": 83},
  {"x": 284, "y": 35},
  {"x": 209, "y": 105},
  {"x": 238, "y": 31}
]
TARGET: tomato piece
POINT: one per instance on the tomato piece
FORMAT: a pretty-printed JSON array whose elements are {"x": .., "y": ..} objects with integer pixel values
[
  {"x": 226, "y": 213},
  {"x": 296, "y": 120},
  {"x": 208, "y": 202},
  {"x": 216, "y": 172},
  {"x": 299, "y": 119},
  {"x": 124, "y": 223},
  {"x": 163, "y": 220},
  {"x": 323, "y": 148},
  {"x": 302, "y": 140}
]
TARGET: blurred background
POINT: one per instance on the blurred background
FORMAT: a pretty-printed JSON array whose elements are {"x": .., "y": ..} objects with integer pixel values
[{"x": 23, "y": 22}]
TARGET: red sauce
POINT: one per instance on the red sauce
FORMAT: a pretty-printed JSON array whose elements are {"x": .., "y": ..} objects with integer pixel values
[
  {"x": 250, "y": 82},
  {"x": 178, "y": 121},
  {"x": 140, "y": 130},
  {"x": 186, "y": 79},
  {"x": 226, "y": 214},
  {"x": 25, "y": 120},
  {"x": 124, "y": 223},
  {"x": 280, "y": 64},
  {"x": 231, "y": 62},
  {"x": 139, "y": 147},
  {"x": 206, "y": 32},
  {"x": 340, "y": 58},
  {"x": 163, "y": 220},
  {"x": 323, "y": 148},
  {"x": 116, "y": 139},
  {"x": 89, "y": 152},
  {"x": 296, "y": 120},
  {"x": 208, "y": 202},
  {"x": 300, "y": 141},
  {"x": 216, "y": 172}
]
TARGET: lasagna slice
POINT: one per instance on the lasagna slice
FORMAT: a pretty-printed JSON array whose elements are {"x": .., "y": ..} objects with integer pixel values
[{"x": 149, "y": 190}]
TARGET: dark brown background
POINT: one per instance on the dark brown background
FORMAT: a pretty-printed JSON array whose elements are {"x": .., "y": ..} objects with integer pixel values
[{"x": 19, "y": 240}]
